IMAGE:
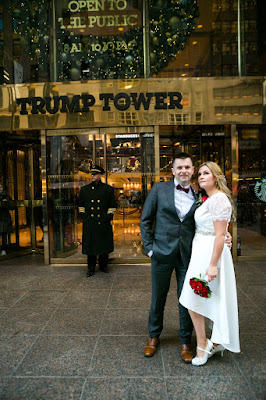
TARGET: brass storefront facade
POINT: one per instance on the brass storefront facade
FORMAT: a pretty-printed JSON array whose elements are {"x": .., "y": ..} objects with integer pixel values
[
  {"x": 127, "y": 84},
  {"x": 133, "y": 129}
]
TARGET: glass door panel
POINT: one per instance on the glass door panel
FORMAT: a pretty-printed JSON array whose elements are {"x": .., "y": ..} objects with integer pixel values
[
  {"x": 37, "y": 203},
  {"x": 69, "y": 158},
  {"x": 128, "y": 160},
  {"x": 202, "y": 143},
  {"x": 251, "y": 192},
  {"x": 16, "y": 168},
  {"x": 130, "y": 170}
]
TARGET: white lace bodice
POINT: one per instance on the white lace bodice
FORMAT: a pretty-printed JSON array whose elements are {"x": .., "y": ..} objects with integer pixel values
[{"x": 215, "y": 208}]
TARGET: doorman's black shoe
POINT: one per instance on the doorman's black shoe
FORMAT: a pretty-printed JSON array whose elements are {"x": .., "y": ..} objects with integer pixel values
[
  {"x": 105, "y": 270},
  {"x": 90, "y": 273}
]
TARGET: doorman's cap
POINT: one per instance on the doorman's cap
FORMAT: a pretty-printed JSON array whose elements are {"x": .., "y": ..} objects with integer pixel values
[{"x": 96, "y": 169}]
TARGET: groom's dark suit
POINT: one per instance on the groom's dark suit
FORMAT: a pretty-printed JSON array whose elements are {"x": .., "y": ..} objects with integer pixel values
[{"x": 171, "y": 242}]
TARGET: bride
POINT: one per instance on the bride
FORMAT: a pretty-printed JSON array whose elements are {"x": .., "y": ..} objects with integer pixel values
[{"x": 211, "y": 261}]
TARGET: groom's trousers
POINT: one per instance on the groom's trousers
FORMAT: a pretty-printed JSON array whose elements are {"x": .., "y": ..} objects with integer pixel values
[{"x": 161, "y": 278}]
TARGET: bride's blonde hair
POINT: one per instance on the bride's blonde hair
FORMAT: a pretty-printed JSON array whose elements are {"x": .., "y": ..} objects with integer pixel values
[{"x": 220, "y": 179}]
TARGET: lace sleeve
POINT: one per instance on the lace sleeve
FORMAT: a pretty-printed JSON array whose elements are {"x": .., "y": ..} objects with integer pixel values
[{"x": 220, "y": 207}]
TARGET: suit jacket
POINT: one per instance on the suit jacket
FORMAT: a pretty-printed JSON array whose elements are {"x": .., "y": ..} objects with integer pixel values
[{"x": 169, "y": 235}]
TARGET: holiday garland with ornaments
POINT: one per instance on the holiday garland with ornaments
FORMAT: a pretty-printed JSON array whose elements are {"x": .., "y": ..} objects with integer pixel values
[
  {"x": 85, "y": 55},
  {"x": 171, "y": 23}
]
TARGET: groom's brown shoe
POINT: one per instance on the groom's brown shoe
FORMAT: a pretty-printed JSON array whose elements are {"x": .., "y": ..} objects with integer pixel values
[
  {"x": 151, "y": 347},
  {"x": 186, "y": 353}
]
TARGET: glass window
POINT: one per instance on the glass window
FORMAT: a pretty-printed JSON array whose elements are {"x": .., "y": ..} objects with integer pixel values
[
  {"x": 30, "y": 48},
  {"x": 129, "y": 167},
  {"x": 198, "y": 117},
  {"x": 251, "y": 192},
  {"x": 203, "y": 143},
  {"x": 104, "y": 39},
  {"x": 68, "y": 163},
  {"x": 200, "y": 38},
  {"x": 99, "y": 39}
]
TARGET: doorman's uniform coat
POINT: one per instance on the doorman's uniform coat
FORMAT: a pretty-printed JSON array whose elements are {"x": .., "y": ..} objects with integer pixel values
[{"x": 97, "y": 206}]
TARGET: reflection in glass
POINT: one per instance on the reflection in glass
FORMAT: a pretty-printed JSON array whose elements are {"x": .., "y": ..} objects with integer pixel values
[
  {"x": 203, "y": 143},
  {"x": 20, "y": 156},
  {"x": 99, "y": 40},
  {"x": 129, "y": 170},
  {"x": 106, "y": 40},
  {"x": 251, "y": 192},
  {"x": 68, "y": 165}
]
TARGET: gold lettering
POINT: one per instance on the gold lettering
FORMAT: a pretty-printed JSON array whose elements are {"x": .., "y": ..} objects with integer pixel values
[
  {"x": 75, "y": 48},
  {"x": 107, "y": 20},
  {"x": 110, "y": 45},
  {"x": 130, "y": 45},
  {"x": 101, "y": 24},
  {"x": 110, "y": 20},
  {"x": 66, "y": 48},
  {"x": 90, "y": 5},
  {"x": 124, "y": 23},
  {"x": 119, "y": 4},
  {"x": 111, "y": 7},
  {"x": 133, "y": 16},
  {"x": 91, "y": 21},
  {"x": 61, "y": 22},
  {"x": 95, "y": 5},
  {"x": 121, "y": 45},
  {"x": 98, "y": 47},
  {"x": 75, "y": 22},
  {"x": 75, "y": 3},
  {"x": 105, "y": 46},
  {"x": 82, "y": 4}
]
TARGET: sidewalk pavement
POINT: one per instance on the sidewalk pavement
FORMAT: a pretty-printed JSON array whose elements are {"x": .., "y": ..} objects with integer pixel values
[{"x": 64, "y": 336}]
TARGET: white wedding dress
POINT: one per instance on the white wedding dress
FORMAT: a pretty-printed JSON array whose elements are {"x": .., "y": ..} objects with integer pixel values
[{"x": 221, "y": 308}]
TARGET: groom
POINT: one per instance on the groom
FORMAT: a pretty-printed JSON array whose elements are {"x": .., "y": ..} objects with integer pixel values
[{"x": 167, "y": 230}]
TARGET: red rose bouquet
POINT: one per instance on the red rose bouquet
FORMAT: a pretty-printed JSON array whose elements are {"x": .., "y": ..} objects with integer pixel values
[{"x": 200, "y": 287}]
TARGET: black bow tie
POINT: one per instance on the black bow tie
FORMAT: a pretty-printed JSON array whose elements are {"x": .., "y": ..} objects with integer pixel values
[{"x": 179, "y": 187}]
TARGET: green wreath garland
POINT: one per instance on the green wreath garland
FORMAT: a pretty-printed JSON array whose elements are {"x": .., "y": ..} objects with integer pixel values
[{"x": 171, "y": 23}]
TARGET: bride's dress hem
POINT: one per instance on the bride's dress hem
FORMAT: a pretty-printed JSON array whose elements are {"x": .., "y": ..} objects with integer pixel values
[
  {"x": 226, "y": 345},
  {"x": 221, "y": 308}
]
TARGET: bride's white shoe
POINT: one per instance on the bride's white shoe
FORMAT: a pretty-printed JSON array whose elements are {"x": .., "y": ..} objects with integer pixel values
[
  {"x": 217, "y": 349},
  {"x": 198, "y": 361}
]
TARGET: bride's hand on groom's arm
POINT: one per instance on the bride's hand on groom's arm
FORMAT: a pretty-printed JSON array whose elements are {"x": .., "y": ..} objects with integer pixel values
[{"x": 228, "y": 239}]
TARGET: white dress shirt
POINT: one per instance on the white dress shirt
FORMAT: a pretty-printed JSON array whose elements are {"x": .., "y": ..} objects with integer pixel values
[{"x": 183, "y": 200}]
